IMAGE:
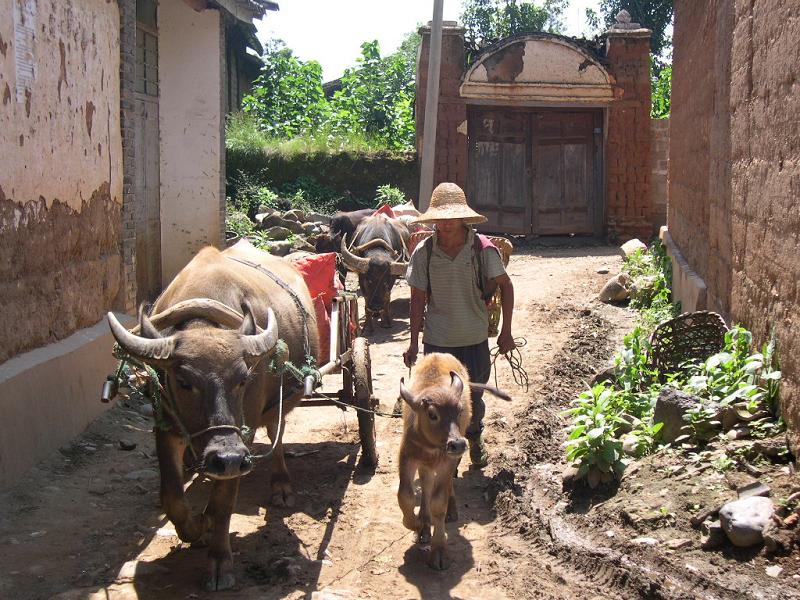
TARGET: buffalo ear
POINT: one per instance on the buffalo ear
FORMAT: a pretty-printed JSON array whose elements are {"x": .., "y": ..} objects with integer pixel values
[
  {"x": 146, "y": 328},
  {"x": 406, "y": 395},
  {"x": 248, "y": 326}
]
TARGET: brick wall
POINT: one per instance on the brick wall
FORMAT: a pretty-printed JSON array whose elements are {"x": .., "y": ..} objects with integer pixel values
[
  {"x": 451, "y": 144},
  {"x": 126, "y": 299},
  {"x": 629, "y": 205},
  {"x": 659, "y": 156},
  {"x": 735, "y": 167}
]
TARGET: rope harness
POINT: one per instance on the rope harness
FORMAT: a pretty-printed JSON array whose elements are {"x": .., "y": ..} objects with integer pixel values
[
  {"x": 514, "y": 358},
  {"x": 146, "y": 383}
]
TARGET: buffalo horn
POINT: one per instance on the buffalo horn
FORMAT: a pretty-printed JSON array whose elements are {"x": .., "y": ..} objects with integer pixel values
[
  {"x": 456, "y": 383},
  {"x": 262, "y": 343},
  {"x": 353, "y": 262},
  {"x": 146, "y": 349},
  {"x": 373, "y": 244},
  {"x": 405, "y": 393}
]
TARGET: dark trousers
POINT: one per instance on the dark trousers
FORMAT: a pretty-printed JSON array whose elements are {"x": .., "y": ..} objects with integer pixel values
[{"x": 479, "y": 365}]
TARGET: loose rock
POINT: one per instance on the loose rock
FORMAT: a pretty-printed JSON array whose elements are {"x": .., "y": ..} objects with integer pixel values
[
  {"x": 277, "y": 233},
  {"x": 616, "y": 289},
  {"x": 294, "y": 215},
  {"x": 743, "y": 521},
  {"x": 632, "y": 246},
  {"x": 280, "y": 248},
  {"x": 753, "y": 489},
  {"x": 671, "y": 405},
  {"x": 127, "y": 445},
  {"x": 713, "y": 535},
  {"x": 141, "y": 474}
]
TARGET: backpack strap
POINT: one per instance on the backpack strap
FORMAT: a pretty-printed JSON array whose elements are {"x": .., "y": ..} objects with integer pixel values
[{"x": 428, "y": 250}]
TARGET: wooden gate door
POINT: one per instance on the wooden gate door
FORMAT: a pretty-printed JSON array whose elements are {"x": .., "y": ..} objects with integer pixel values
[
  {"x": 565, "y": 184},
  {"x": 146, "y": 155},
  {"x": 498, "y": 185}
]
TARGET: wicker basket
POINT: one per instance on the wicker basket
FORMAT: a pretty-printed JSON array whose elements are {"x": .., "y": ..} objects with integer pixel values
[{"x": 689, "y": 336}]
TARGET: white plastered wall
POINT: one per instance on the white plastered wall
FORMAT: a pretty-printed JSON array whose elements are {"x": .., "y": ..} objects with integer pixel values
[
  {"x": 59, "y": 100},
  {"x": 190, "y": 122}
]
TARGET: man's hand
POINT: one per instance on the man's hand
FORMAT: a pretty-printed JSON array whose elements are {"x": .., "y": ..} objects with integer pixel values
[
  {"x": 505, "y": 342},
  {"x": 410, "y": 355}
]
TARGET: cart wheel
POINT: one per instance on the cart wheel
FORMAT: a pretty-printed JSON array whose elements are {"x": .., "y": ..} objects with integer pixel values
[{"x": 362, "y": 382}]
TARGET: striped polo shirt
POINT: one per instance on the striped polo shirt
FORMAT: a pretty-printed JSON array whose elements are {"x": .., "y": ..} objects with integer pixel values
[{"x": 456, "y": 314}]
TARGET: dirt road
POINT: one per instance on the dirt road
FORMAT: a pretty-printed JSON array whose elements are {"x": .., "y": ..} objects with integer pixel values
[{"x": 87, "y": 524}]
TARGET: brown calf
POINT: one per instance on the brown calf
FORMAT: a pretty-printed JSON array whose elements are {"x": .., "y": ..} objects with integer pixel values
[{"x": 436, "y": 414}]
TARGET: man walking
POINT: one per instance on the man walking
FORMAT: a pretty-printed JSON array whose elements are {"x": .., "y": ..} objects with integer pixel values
[{"x": 454, "y": 272}]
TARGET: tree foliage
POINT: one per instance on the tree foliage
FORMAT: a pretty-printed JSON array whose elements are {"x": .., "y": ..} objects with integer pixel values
[
  {"x": 376, "y": 100},
  {"x": 487, "y": 21},
  {"x": 656, "y": 15},
  {"x": 287, "y": 96},
  {"x": 377, "y": 97},
  {"x": 660, "y": 92}
]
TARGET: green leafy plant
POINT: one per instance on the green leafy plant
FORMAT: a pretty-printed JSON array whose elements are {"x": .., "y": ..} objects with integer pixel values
[
  {"x": 487, "y": 21},
  {"x": 661, "y": 89},
  {"x": 237, "y": 222},
  {"x": 734, "y": 375},
  {"x": 591, "y": 440},
  {"x": 386, "y": 194},
  {"x": 723, "y": 463}
]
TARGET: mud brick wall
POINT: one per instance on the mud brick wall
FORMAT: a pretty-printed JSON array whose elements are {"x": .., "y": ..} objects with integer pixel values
[
  {"x": 699, "y": 182},
  {"x": 629, "y": 205},
  {"x": 61, "y": 183},
  {"x": 659, "y": 157},
  {"x": 734, "y": 176},
  {"x": 765, "y": 183},
  {"x": 451, "y": 123}
]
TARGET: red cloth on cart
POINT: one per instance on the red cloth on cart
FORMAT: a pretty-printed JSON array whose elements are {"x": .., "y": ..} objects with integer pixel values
[
  {"x": 386, "y": 210},
  {"x": 322, "y": 281}
]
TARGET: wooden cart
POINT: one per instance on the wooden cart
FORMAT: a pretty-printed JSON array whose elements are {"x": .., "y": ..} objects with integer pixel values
[{"x": 349, "y": 355}]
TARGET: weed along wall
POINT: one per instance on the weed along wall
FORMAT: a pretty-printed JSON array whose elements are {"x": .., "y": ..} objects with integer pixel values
[
  {"x": 733, "y": 213},
  {"x": 60, "y": 219},
  {"x": 350, "y": 174}
]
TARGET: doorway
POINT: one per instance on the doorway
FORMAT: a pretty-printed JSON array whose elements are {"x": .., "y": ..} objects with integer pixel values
[{"x": 536, "y": 171}]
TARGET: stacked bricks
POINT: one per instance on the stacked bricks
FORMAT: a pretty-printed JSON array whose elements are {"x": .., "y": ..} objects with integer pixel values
[
  {"x": 659, "y": 156},
  {"x": 126, "y": 298},
  {"x": 629, "y": 204},
  {"x": 451, "y": 144}
]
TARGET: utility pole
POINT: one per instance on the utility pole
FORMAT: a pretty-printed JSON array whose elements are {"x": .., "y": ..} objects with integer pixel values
[{"x": 431, "y": 108}]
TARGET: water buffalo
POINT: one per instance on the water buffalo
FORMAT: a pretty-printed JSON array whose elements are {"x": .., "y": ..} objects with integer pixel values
[
  {"x": 218, "y": 386},
  {"x": 436, "y": 414},
  {"x": 378, "y": 243},
  {"x": 342, "y": 227}
]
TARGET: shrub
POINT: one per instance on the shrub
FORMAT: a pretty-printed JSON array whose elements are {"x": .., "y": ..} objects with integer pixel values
[{"x": 386, "y": 194}]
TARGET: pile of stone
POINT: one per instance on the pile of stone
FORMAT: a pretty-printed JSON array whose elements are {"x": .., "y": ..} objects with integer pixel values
[{"x": 290, "y": 231}]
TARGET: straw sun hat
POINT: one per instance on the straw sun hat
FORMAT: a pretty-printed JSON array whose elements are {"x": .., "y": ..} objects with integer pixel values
[{"x": 449, "y": 202}]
